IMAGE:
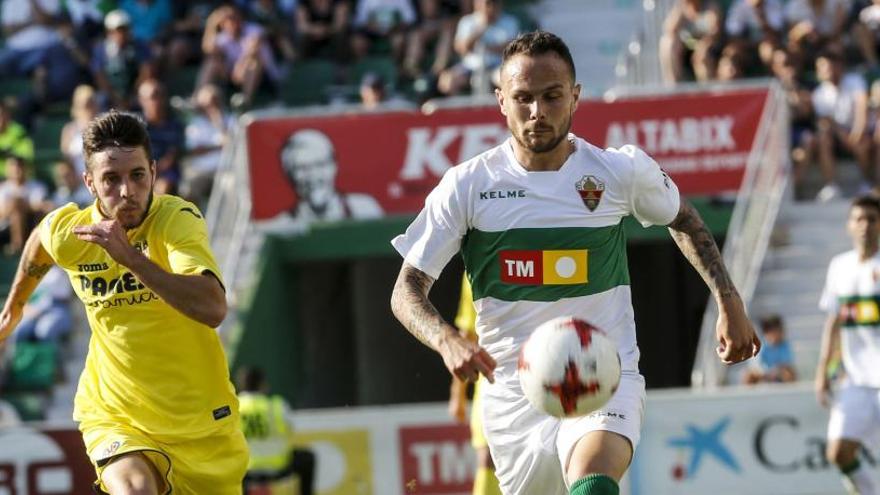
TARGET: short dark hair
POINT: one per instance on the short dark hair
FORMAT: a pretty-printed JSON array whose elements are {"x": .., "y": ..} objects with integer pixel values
[
  {"x": 539, "y": 43},
  {"x": 250, "y": 379},
  {"x": 115, "y": 129},
  {"x": 866, "y": 201},
  {"x": 771, "y": 321}
]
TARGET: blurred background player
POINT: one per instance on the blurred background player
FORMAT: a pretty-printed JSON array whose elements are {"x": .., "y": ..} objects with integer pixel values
[
  {"x": 485, "y": 482},
  {"x": 850, "y": 299},
  {"x": 775, "y": 363},
  {"x": 265, "y": 421}
]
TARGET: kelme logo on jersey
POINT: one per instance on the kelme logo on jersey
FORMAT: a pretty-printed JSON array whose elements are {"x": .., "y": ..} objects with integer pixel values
[
  {"x": 548, "y": 267},
  {"x": 859, "y": 311},
  {"x": 590, "y": 188}
]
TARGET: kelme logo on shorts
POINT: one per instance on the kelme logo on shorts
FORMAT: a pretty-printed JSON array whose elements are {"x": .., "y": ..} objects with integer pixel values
[{"x": 552, "y": 267}]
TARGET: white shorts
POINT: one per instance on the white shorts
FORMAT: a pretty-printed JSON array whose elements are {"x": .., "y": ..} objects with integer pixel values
[
  {"x": 855, "y": 414},
  {"x": 530, "y": 449}
]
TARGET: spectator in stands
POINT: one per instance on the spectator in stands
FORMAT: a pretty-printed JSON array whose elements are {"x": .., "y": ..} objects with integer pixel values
[
  {"x": 83, "y": 109},
  {"x": 22, "y": 203},
  {"x": 265, "y": 421},
  {"x": 775, "y": 362},
  {"x": 166, "y": 135},
  {"x": 69, "y": 186},
  {"x": 840, "y": 103},
  {"x": 691, "y": 36},
  {"x": 86, "y": 17},
  {"x": 185, "y": 45},
  {"x": 798, "y": 95},
  {"x": 206, "y": 134},
  {"x": 322, "y": 28},
  {"x": 14, "y": 139},
  {"x": 29, "y": 29},
  {"x": 814, "y": 25},
  {"x": 236, "y": 52},
  {"x": 732, "y": 64},
  {"x": 377, "y": 20},
  {"x": 754, "y": 28},
  {"x": 152, "y": 19},
  {"x": 117, "y": 61},
  {"x": 374, "y": 94},
  {"x": 435, "y": 27},
  {"x": 480, "y": 37},
  {"x": 47, "y": 316},
  {"x": 277, "y": 26}
]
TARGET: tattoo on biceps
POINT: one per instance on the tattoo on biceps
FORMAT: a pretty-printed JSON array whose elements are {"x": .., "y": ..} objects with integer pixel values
[
  {"x": 698, "y": 246},
  {"x": 411, "y": 305},
  {"x": 36, "y": 270}
]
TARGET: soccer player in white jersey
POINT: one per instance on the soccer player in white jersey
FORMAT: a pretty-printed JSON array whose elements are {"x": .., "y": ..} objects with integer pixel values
[
  {"x": 850, "y": 298},
  {"x": 538, "y": 222}
]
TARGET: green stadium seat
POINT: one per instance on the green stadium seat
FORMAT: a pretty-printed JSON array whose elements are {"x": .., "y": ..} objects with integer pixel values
[
  {"x": 14, "y": 86},
  {"x": 182, "y": 81},
  {"x": 47, "y": 137},
  {"x": 384, "y": 66},
  {"x": 307, "y": 82}
]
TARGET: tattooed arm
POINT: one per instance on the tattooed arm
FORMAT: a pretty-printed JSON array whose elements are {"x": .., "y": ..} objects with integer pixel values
[
  {"x": 34, "y": 264},
  {"x": 736, "y": 336},
  {"x": 410, "y": 304}
]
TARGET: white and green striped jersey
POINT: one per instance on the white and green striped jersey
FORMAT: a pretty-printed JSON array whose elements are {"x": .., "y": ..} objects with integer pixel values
[{"x": 538, "y": 245}]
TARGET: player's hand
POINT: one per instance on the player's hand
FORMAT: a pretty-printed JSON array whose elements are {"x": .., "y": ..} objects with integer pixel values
[
  {"x": 822, "y": 387},
  {"x": 737, "y": 340},
  {"x": 465, "y": 359},
  {"x": 110, "y": 235}
]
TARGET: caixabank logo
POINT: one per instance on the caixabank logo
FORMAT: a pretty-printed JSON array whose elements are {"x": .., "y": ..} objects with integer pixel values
[{"x": 702, "y": 443}]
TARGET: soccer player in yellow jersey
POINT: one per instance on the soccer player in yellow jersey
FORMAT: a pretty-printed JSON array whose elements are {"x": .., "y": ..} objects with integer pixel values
[
  {"x": 155, "y": 405},
  {"x": 485, "y": 482}
]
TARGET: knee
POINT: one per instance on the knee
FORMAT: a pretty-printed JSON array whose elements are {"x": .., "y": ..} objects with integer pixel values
[{"x": 841, "y": 454}]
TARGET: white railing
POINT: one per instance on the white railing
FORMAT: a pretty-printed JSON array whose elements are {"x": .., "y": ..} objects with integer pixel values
[{"x": 748, "y": 235}]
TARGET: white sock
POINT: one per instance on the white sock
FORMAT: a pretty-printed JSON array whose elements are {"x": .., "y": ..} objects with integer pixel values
[{"x": 859, "y": 480}]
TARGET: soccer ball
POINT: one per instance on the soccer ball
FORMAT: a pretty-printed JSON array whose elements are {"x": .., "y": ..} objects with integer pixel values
[{"x": 568, "y": 368}]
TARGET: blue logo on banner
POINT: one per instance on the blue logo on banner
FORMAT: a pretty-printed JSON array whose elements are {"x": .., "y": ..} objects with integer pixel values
[{"x": 706, "y": 441}]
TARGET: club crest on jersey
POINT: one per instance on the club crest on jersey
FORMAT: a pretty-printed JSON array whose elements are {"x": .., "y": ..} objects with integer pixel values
[{"x": 590, "y": 188}]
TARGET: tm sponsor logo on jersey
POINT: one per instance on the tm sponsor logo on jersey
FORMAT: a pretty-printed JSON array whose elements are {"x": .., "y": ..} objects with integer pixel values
[
  {"x": 513, "y": 193},
  {"x": 92, "y": 267},
  {"x": 547, "y": 267}
]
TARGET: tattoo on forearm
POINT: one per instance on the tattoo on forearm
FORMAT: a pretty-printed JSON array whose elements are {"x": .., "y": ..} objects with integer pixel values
[
  {"x": 410, "y": 304},
  {"x": 35, "y": 270},
  {"x": 698, "y": 246}
]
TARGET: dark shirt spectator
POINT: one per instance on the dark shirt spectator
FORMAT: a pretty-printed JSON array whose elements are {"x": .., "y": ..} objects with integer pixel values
[
  {"x": 321, "y": 27},
  {"x": 166, "y": 135}
]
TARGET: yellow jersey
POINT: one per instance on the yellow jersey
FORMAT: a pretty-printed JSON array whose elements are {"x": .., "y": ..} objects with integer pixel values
[
  {"x": 148, "y": 365},
  {"x": 466, "y": 318}
]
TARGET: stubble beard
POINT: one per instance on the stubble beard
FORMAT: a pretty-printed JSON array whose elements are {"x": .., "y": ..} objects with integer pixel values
[{"x": 544, "y": 148}]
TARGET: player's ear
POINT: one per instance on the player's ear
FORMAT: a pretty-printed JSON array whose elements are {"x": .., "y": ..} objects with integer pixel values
[
  {"x": 88, "y": 180},
  {"x": 153, "y": 169},
  {"x": 575, "y": 96},
  {"x": 499, "y": 96}
]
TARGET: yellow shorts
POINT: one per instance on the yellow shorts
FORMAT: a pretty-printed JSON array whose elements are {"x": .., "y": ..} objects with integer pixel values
[
  {"x": 214, "y": 464},
  {"x": 478, "y": 440}
]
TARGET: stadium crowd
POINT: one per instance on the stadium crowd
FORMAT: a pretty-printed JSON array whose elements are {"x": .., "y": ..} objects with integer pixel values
[{"x": 822, "y": 52}]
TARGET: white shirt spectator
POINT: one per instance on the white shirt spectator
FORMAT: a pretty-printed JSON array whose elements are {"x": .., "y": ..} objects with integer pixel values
[
  {"x": 16, "y": 12},
  {"x": 201, "y": 132},
  {"x": 870, "y": 16},
  {"x": 233, "y": 49},
  {"x": 742, "y": 20},
  {"x": 504, "y": 29},
  {"x": 838, "y": 102},
  {"x": 800, "y": 10},
  {"x": 81, "y": 11},
  {"x": 384, "y": 12},
  {"x": 33, "y": 191}
]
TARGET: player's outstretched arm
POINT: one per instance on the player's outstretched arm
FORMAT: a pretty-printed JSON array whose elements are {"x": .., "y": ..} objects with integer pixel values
[
  {"x": 830, "y": 341},
  {"x": 737, "y": 340},
  {"x": 410, "y": 304},
  {"x": 34, "y": 264},
  {"x": 200, "y": 297}
]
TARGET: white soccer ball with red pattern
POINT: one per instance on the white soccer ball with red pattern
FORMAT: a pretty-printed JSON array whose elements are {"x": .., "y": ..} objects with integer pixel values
[{"x": 569, "y": 368}]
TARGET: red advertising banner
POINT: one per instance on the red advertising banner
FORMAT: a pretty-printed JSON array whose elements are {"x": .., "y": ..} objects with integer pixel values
[
  {"x": 44, "y": 462},
  {"x": 368, "y": 165},
  {"x": 436, "y": 460}
]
